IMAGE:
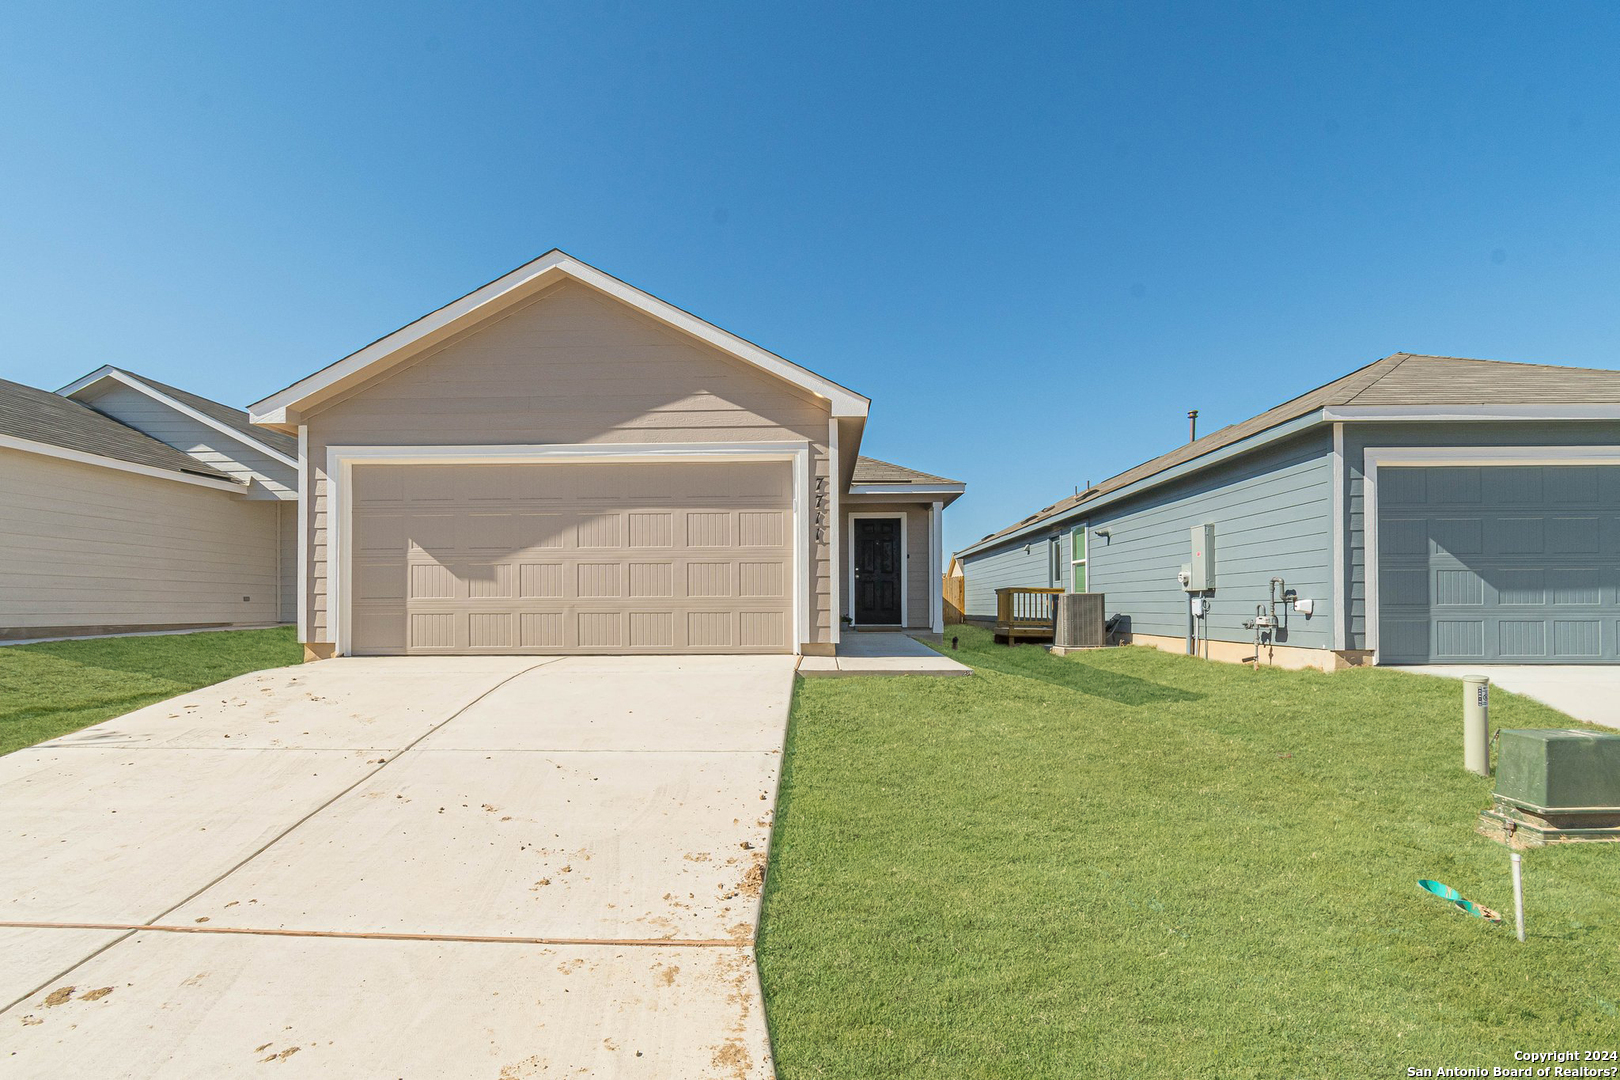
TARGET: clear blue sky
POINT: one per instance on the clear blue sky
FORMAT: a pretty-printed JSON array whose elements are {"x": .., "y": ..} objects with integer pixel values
[{"x": 1034, "y": 236}]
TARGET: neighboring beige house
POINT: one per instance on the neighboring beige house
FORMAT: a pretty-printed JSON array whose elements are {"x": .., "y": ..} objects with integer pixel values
[
  {"x": 130, "y": 505},
  {"x": 558, "y": 462}
]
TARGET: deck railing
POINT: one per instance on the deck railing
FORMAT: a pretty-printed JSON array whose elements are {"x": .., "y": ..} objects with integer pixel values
[{"x": 1025, "y": 612}]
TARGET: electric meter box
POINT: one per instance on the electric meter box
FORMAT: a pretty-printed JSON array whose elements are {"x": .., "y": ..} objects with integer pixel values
[{"x": 1201, "y": 571}]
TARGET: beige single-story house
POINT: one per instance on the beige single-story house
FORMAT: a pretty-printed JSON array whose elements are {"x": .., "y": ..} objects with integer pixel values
[
  {"x": 131, "y": 505},
  {"x": 559, "y": 462}
]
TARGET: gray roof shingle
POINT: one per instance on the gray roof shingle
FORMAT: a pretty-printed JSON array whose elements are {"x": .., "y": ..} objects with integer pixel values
[
  {"x": 1400, "y": 379},
  {"x": 872, "y": 471},
  {"x": 43, "y": 417}
]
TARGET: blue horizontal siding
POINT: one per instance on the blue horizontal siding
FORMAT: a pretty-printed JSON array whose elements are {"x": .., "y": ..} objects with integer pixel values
[
  {"x": 985, "y": 572},
  {"x": 1359, "y": 436},
  {"x": 1273, "y": 517}
]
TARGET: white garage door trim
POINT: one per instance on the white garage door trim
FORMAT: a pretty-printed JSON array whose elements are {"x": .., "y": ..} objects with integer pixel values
[
  {"x": 340, "y": 462},
  {"x": 1441, "y": 456}
]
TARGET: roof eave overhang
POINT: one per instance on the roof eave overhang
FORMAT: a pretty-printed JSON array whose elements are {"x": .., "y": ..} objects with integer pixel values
[
  {"x": 941, "y": 493},
  {"x": 124, "y": 378},
  {"x": 31, "y": 446},
  {"x": 1440, "y": 413},
  {"x": 285, "y": 408},
  {"x": 1275, "y": 433}
]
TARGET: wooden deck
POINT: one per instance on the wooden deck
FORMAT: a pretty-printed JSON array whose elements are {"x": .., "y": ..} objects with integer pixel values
[{"x": 1025, "y": 613}]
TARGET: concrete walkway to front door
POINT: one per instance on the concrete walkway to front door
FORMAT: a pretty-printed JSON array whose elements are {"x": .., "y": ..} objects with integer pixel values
[
  {"x": 1586, "y": 692},
  {"x": 421, "y": 867}
]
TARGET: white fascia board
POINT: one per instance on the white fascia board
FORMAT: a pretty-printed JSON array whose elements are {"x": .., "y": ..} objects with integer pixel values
[
  {"x": 528, "y": 279},
  {"x": 907, "y": 489},
  {"x": 1285, "y": 430},
  {"x": 134, "y": 383},
  {"x": 28, "y": 446},
  {"x": 1472, "y": 412}
]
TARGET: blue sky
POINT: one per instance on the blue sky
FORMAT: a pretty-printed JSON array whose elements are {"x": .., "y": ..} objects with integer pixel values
[{"x": 1034, "y": 235}]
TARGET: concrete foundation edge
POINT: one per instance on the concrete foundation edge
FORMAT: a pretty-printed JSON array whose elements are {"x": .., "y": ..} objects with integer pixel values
[{"x": 1288, "y": 657}]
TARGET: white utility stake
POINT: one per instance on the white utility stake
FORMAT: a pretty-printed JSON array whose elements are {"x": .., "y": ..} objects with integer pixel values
[
  {"x": 1518, "y": 896},
  {"x": 1477, "y": 725}
]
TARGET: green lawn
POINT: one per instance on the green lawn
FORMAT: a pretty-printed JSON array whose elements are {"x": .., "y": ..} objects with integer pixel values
[
  {"x": 50, "y": 689},
  {"x": 1127, "y": 863}
]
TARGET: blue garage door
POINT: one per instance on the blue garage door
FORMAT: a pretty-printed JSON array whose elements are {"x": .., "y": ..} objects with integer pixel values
[{"x": 1511, "y": 565}]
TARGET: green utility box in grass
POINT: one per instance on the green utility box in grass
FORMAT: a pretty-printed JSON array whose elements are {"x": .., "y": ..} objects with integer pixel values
[{"x": 1556, "y": 784}]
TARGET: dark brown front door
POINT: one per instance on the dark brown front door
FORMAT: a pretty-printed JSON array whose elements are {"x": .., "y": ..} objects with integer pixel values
[{"x": 879, "y": 571}]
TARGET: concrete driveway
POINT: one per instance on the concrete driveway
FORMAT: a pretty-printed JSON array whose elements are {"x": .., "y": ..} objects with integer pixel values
[
  {"x": 416, "y": 867},
  {"x": 1589, "y": 692}
]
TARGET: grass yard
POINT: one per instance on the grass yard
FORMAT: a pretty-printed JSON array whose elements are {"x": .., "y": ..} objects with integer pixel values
[
  {"x": 53, "y": 688},
  {"x": 1128, "y": 863}
]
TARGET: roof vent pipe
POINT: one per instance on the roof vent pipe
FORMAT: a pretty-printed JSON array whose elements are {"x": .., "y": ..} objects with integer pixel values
[{"x": 1192, "y": 425}]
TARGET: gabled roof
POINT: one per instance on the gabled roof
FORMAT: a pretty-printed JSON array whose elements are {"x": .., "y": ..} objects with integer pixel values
[
  {"x": 872, "y": 471},
  {"x": 415, "y": 338},
  {"x": 221, "y": 417},
  {"x": 1403, "y": 381},
  {"x": 34, "y": 419}
]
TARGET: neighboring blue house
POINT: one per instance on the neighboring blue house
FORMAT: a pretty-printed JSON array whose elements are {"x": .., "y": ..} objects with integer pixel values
[{"x": 1423, "y": 509}]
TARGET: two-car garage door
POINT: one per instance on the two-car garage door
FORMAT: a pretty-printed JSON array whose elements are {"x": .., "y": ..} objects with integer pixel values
[
  {"x": 572, "y": 558},
  {"x": 1505, "y": 564}
]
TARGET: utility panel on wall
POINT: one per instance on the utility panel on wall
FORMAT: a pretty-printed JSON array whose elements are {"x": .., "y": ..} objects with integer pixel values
[{"x": 1202, "y": 567}]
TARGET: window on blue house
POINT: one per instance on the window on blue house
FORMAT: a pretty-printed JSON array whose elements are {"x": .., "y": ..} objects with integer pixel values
[{"x": 1077, "y": 559}]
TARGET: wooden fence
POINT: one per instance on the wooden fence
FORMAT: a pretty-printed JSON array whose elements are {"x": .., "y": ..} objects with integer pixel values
[{"x": 955, "y": 590}]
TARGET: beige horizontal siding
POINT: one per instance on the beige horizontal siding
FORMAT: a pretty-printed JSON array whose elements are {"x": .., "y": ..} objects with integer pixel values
[
  {"x": 571, "y": 366},
  {"x": 82, "y": 545}
]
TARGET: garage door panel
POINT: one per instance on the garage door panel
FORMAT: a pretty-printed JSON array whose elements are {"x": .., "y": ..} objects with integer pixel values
[
  {"x": 1572, "y": 485},
  {"x": 552, "y": 570},
  {"x": 708, "y": 528},
  {"x": 485, "y": 581},
  {"x": 1518, "y": 536},
  {"x": 1519, "y": 587},
  {"x": 1575, "y": 639},
  {"x": 542, "y": 580},
  {"x": 651, "y": 529},
  {"x": 1517, "y": 484},
  {"x": 1573, "y": 536},
  {"x": 542, "y": 630},
  {"x": 652, "y": 580},
  {"x": 1522, "y": 639},
  {"x": 493, "y": 532},
  {"x": 430, "y": 534},
  {"x": 1531, "y": 574}
]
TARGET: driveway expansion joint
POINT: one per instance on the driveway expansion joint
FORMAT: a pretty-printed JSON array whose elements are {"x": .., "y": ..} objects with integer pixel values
[{"x": 386, "y": 935}]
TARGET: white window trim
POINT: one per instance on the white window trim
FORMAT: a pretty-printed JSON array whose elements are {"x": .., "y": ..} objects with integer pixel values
[
  {"x": 29, "y": 446},
  {"x": 1374, "y": 457},
  {"x": 1085, "y": 531},
  {"x": 905, "y": 567},
  {"x": 341, "y": 460}
]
